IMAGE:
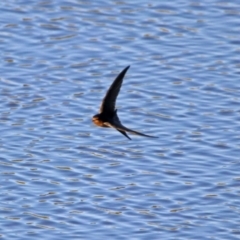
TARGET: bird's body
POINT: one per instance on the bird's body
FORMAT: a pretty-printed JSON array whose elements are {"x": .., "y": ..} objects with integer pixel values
[{"x": 107, "y": 116}]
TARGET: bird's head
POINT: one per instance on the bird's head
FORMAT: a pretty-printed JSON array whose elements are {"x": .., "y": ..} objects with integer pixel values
[{"x": 95, "y": 117}]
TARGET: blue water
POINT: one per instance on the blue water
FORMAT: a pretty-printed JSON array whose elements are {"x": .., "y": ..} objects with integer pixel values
[{"x": 62, "y": 177}]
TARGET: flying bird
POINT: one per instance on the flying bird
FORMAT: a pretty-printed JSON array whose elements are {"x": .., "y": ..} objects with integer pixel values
[{"x": 107, "y": 116}]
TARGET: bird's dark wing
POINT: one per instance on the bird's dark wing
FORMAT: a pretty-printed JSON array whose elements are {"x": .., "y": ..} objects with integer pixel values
[
  {"x": 124, "y": 133},
  {"x": 122, "y": 128},
  {"x": 121, "y": 131},
  {"x": 118, "y": 125},
  {"x": 108, "y": 103}
]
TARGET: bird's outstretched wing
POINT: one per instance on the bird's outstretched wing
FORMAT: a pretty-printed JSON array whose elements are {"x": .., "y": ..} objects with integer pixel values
[
  {"x": 108, "y": 103},
  {"x": 118, "y": 126}
]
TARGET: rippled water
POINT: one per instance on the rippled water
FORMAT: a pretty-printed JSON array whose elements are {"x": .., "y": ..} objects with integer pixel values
[{"x": 62, "y": 177}]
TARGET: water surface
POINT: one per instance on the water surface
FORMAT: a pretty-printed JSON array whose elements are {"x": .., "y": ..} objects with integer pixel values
[{"x": 62, "y": 177}]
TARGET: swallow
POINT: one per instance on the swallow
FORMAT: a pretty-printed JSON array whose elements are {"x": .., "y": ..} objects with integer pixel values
[{"x": 107, "y": 116}]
